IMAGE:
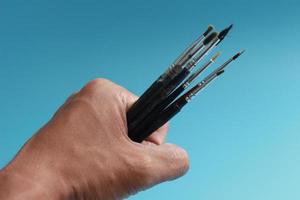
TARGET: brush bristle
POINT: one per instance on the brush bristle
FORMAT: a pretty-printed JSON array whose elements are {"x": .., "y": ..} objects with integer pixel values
[
  {"x": 208, "y": 30},
  {"x": 224, "y": 32},
  {"x": 210, "y": 38},
  {"x": 210, "y": 27},
  {"x": 216, "y": 56},
  {"x": 230, "y": 26}
]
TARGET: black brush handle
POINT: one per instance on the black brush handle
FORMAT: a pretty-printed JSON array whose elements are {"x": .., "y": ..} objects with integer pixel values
[
  {"x": 151, "y": 92},
  {"x": 143, "y": 132},
  {"x": 140, "y": 103},
  {"x": 154, "y": 122},
  {"x": 157, "y": 98},
  {"x": 156, "y": 112}
]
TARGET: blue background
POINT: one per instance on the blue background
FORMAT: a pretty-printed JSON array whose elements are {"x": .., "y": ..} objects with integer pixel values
[{"x": 242, "y": 134}]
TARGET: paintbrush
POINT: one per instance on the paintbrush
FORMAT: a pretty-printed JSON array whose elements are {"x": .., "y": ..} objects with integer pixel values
[
  {"x": 151, "y": 124},
  {"x": 163, "y": 79}
]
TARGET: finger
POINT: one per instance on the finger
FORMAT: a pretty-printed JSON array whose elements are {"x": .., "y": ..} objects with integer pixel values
[
  {"x": 164, "y": 162},
  {"x": 159, "y": 136},
  {"x": 129, "y": 99}
]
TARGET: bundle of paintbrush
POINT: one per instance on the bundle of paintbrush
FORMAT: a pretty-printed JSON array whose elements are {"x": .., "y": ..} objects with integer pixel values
[{"x": 162, "y": 99}]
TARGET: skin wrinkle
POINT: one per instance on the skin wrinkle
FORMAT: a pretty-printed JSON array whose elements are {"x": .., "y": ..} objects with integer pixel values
[{"x": 84, "y": 153}]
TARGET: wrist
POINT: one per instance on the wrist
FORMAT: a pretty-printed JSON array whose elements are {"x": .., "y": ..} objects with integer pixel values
[
  {"x": 26, "y": 178},
  {"x": 15, "y": 186}
]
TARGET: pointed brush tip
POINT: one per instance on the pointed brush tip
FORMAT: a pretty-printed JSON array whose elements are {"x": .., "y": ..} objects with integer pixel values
[
  {"x": 238, "y": 54},
  {"x": 224, "y": 32}
]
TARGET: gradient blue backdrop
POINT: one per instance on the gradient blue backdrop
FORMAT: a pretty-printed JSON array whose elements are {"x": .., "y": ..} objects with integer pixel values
[{"x": 242, "y": 133}]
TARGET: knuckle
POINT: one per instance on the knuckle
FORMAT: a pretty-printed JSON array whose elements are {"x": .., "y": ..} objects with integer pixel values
[
  {"x": 98, "y": 82},
  {"x": 96, "y": 85}
]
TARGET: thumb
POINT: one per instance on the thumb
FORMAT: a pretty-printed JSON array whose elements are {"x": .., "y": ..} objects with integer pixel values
[{"x": 167, "y": 162}]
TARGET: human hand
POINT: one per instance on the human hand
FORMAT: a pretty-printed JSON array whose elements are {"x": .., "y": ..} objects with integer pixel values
[{"x": 84, "y": 152}]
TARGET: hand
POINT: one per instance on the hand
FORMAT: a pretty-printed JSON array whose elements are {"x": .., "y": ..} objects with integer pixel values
[{"x": 84, "y": 152}]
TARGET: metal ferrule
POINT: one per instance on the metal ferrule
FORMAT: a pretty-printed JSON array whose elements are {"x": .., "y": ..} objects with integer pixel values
[{"x": 171, "y": 72}]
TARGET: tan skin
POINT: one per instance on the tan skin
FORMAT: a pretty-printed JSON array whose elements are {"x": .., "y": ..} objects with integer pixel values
[{"x": 84, "y": 153}]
